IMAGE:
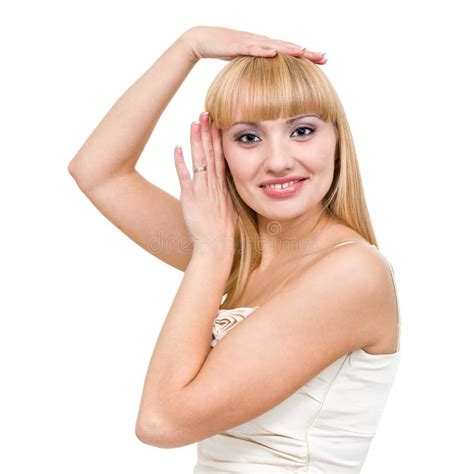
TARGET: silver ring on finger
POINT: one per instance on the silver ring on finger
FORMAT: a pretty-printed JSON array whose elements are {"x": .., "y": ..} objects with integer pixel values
[{"x": 199, "y": 168}]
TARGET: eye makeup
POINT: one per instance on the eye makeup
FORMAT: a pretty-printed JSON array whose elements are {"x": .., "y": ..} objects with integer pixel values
[{"x": 238, "y": 136}]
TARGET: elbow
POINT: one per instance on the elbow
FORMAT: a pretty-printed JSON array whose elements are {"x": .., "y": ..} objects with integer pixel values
[
  {"x": 73, "y": 170},
  {"x": 147, "y": 432},
  {"x": 152, "y": 432},
  {"x": 71, "y": 167},
  {"x": 82, "y": 179}
]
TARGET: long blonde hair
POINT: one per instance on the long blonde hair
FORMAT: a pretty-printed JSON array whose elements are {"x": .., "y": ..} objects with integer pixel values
[{"x": 259, "y": 89}]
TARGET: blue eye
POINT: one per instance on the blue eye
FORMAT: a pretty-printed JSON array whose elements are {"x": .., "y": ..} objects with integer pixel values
[{"x": 238, "y": 139}]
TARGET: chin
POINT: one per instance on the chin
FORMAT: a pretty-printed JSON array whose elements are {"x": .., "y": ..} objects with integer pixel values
[{"x": 283, "y": 213}]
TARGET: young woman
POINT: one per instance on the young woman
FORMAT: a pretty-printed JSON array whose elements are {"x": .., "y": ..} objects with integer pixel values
[{"x": 282, "y": 343}]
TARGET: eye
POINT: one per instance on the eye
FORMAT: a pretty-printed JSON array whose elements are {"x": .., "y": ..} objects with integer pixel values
[
  {"x": 311, "y": 130},
  {"x": 239, "y": 138}
]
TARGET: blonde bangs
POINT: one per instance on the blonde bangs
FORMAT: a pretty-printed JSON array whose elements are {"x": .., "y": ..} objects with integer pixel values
[{"x": 256, "y": 89}]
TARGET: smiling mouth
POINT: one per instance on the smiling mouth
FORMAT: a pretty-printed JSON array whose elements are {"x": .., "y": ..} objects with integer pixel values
[{"x": 288, "y": 184}]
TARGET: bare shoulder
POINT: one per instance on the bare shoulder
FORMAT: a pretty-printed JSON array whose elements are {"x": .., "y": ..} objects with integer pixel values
[
  {"x": 362, "y": 265},
  {"x": 367, "y": 276},
  {"x": 354, "y": 252}
]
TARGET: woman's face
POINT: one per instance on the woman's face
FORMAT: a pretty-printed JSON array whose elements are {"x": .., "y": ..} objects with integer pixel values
[{"x": 291, "y": 147}]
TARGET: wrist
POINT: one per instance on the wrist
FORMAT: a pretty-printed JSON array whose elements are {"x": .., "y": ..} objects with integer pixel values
[
  {"x": 187, "y": 46},
  {"x": 219, "y": 266},
  {"x": 222, "y": 250}
]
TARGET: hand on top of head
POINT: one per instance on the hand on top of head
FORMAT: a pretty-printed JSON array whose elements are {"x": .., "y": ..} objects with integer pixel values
[{"x": 225, "y": 43}]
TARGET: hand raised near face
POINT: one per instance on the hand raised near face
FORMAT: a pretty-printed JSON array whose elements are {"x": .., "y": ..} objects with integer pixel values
[{"x": 207, "y": 206}]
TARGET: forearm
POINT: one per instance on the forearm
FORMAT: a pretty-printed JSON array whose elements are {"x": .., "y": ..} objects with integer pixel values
[
  {"x": 184, "y": 341},
  {"x": 118, "y": 140}
]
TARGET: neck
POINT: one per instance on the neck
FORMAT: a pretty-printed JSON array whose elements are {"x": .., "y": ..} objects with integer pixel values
[{"x": 285, "y": 239}]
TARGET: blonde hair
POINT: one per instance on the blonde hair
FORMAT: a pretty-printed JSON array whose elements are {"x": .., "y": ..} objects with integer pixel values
[{"x": 253, "y": 88}]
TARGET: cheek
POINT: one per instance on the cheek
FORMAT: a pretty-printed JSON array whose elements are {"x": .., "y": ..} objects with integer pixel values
[
  {"x": 228, "y": 155},
  {"x": 322, "y": 159},
  {"x": 236, "y": 162},
  {"x": 318, "y": 165},
  {"x": 325, "y": 173},
  {"x": 241, "y": 173}
]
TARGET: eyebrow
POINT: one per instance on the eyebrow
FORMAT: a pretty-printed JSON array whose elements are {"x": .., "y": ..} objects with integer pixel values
[{"x": 291, "y": 120}]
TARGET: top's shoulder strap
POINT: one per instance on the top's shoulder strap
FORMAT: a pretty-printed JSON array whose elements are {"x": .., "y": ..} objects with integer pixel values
[{"x": 350, "y": 241}]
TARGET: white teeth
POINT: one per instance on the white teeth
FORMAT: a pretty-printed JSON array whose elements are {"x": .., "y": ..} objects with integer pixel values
[{"x": 281, "y": 186}]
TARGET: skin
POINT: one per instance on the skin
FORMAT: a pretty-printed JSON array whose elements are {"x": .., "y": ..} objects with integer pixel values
[
  {"x": 274, "y": 149},
  {"x": 187, "y": 396}
]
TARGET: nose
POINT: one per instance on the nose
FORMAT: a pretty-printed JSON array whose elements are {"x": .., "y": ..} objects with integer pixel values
[{"x": 278, "y": 158}]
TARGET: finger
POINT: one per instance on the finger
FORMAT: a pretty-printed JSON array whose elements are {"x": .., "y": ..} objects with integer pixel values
[
  {"x": 287, "y": 44},
  {"x": 296, "y": 52},
  {"x": 184, "y": 177},
  {"x": 197, "y": 151},
  {"x": 256, "y": 50},
  {"x": 207, "y": 145},
  {"x": 269, "y": 50},
  {"x": 270, "y": 42},
  {"x": 292, "y": 48},
  {"x": 218, "y": 152},
  {"x": 318, "y": 57},
  {"x": 314, "y": 57}
]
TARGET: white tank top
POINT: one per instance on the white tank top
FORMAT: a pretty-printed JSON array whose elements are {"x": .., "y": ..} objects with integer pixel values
[{"x": 324, "y": 427}]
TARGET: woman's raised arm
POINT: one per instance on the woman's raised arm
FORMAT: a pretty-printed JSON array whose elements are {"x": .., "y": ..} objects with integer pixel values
[
  {"x": 104, "y": 166},
  {"x": 116, "y": 143}
]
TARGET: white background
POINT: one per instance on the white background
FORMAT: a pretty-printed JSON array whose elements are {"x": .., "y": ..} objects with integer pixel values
[{"x": 82, "y": 305}]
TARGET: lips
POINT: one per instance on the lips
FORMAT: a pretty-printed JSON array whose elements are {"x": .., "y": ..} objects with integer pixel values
[
  {"x": 277, "y": 192},
  {"x": 281, "y": 181}
]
